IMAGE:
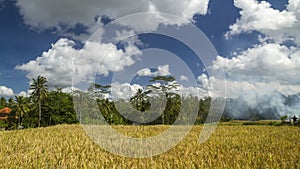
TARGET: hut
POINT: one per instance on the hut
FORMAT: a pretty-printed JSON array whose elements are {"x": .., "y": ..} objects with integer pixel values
[{"x": 4, "y": 113}]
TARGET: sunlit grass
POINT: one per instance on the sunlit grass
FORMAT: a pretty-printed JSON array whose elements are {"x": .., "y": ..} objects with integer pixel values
[{"x": 67, "y": 146}]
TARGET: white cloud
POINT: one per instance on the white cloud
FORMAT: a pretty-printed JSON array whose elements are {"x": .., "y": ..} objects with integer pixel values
[
  {"x": 5, "y": 91},
  {"x": 24, "y": 93},
  {"x": 191, "y": 91},
  {"x": 270, "y": 66},
  {"x": 204, "y": 81},
  {"x": 263, "y": 69},
  {"x": 247, "y": 88},
  {"x": 263, "y": 63},
  {"x": 124, "y": 34},
  {"x": 124, "y": 90},
  {"x": 60, "y": 62},
  {"x": 144, "y": 72},
  {"x": 260, "y": 16},
  {"x": 47, "y": 14},
  {"x": 184, "y": 78},
  {"x": 162, "y": 70}
]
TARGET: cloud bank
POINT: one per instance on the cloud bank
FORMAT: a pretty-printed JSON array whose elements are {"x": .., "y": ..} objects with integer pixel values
[
  {"x": 58, "y": 14},
  {"x": 60, "y": 63}
]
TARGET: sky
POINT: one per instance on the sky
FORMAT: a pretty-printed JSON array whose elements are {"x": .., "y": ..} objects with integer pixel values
[{"x": 254, "y": 44}]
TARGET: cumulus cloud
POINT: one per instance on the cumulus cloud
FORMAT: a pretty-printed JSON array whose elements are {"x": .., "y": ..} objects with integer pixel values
[
  {"x": 261, "y": 75},
  {"x": 260, "y": 16},
  {"x": 263, "y": 63},
  {"x": 264, "y": 69},
  {"x": 162, "y": 70},
  {"x": 203, "y": 81},
  {"x": 63, "y": 60},
  {"x": 25, "y": 93},
  {"x": 126, "y": 91},
  {"x": 191, "y": 91},
  {"x": 60, "y": 63},
  {"x": 59, "y": 14},
  {"x": 5, "y": 91},
  {"x": 184, "y": 78},
  {"x": 123, "y": 91},
  {"x": 243, "y": 88},
  {"x": 272, "y": 65}
]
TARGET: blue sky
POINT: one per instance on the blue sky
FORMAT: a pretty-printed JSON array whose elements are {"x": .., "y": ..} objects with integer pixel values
[{"x": 50, "y": 30}]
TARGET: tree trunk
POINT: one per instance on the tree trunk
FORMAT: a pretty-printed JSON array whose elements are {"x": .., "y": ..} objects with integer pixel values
[
  {"x": 40, "y": 113},
  {"x": 19, "y": 120},
  {"x": 163, "y": 117}
]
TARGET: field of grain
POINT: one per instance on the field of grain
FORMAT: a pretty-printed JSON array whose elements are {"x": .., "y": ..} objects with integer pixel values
[{"x": 231, "y": 146}]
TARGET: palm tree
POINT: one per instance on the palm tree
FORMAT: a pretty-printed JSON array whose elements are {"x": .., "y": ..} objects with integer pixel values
[
  {"x": 40, "y": 92},
  {"x": 140, "y": 101},
  {"x": 21, "y": 106}
]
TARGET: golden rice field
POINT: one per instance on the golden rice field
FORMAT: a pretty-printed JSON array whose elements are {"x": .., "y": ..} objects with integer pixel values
[{"x": 231, "y": 146}]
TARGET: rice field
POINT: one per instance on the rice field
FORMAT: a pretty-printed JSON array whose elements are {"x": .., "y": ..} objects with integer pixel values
[{"x": 231, "y": 146}]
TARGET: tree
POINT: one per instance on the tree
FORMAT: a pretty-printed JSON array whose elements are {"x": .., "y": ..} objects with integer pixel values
[
  {"x": 282, "y": 118},
  {"x": 204, "y": 106},
  {"x": 3, "y": 102},
  {"x": 21, "y": 106},
  {"x": 166, "y": 84},
  {"x": 59, "y": 108},
  {"x": 40, "y": 92},
  {"x": 140, "y": 101},
  {"x": 98, "y": 90}
]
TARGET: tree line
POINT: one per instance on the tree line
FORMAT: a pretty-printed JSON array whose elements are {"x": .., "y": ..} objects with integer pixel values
[
  {"x": 42, "y": 108},
  {"x": 45, "y": 108},
  {"x": 160, "y": 98}
]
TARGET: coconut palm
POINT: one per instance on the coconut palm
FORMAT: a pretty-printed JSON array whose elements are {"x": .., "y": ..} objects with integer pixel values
[
  {"x": 40, "y": 92},
  {"x": 22, "y": 107},
  {"x": 140, "y": 100}
]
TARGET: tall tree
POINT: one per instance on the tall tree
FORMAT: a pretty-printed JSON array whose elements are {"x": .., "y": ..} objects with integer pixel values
[
  {"x": 59, "y": 108},
  {"x": 40, "y": 92},
  {"x": 21, "y": 106},
  {"x": 98, "y": 90},
  {"x": 3, "y": 102},
  {"x": 140, "y": 101},
  {"x": 166, "y": 84}
]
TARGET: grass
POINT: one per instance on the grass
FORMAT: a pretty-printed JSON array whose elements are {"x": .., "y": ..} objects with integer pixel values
[{"x": 231, "y": 146}]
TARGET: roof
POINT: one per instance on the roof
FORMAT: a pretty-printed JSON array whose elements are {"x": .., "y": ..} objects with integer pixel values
[{"x": 5, "y": 110}]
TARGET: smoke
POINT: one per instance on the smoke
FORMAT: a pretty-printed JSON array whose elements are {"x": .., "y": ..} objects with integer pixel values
[{"x": 253, "y": 105}]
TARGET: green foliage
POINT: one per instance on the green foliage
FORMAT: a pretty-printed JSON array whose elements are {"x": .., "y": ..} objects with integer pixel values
[
  {"x": 140, "y": 101},
  {"x": 172, "y": 108},
  {"x": 204, "y": 106},
  {"x": 3, "y": 103},
  {"x": 4, "y": 124},
  {"x": 40, "y": 92},
  {"x": 44, "y": 108},
  {"x": 58, "y": 109},
  {"x": 167, "y": 83},
  {"x": 282, "y": 118},
  {"x": 110, "y": 113},
  {"x": 21, "y": 107}
]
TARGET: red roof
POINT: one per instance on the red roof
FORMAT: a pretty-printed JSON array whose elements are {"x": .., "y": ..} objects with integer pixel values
[{"x": 5, "y": 110}]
